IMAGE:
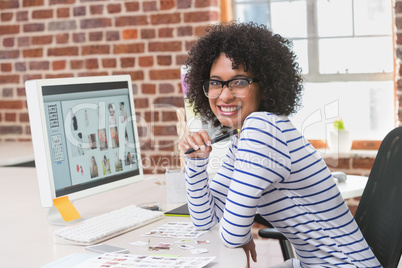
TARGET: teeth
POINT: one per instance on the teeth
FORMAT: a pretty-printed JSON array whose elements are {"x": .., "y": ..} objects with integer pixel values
[{"x": 229, "y": 109}]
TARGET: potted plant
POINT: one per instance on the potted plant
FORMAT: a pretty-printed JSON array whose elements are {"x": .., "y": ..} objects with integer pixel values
[{"x": 339, "y": 138}]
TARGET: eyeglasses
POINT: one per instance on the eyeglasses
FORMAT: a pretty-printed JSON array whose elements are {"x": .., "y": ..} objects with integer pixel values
[{"x": 240, "y": 87}]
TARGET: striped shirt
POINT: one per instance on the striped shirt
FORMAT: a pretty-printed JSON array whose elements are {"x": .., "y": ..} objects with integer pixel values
[{"x": 273, "y": 170}]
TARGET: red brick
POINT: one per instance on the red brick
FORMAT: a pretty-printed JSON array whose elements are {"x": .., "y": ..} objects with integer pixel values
[
  {"x": 165, "y": 32},
  {"x": 96, "y": 9},
  {"x": 95, "y": 23},
  {"x": 91, "y": 64},
  {"x": 58, "y": 75},
  {"x": 22, "y": 16},
  {"x": 151, "y": 117},
  {"x": 164, "y": 60},
  {"x": 95, "y": 36},
  {"x": 174, "y": 101},
  {"x": 62, "y": 38},
  {"x": 114, "y": 8},
  {"x": 33, "y": 53},
  {"x": 184, "y": 4},
  {"x": 11, "y": 104},
  {"x": 39, "y": 65},
  {"x": 95, "y": 49},
  {"x": 149, "y": 6},
  {"x": 79, "y": 11},
  {"x": 31, "y": 3},
  {"x": 166, "y": 88},
  {"x": 83, "y": 74},
  {"x": 146, "y": 61},
  {"x": 180, "y": 59},
  {"x": 200, "y": 30},
  {"x": 20, "y": 66},
  {"x": 135, "y": 76},
  {"x": 11, "y": 117},
  {"x": 42, "y": 14},
  {"x": 167, "y": 145},
  {"x": 59, "y": 65},
  {"x": 126, "y": 62},
  {"x": 23, "y": 41},
  {"x": 23, "y": 117},
  {"x": 9, "y": 4},
  {"x": 148, "y": 33},
  {"x": 77, "y": 64},
  {"x": 63, "y": 51},
  {"x": 165, "y": 46},
  {"x": 130, "y": 34},
  {"x": 33, "y": 27},
  {"x": 169, "y": 116},
  {"x": 167, "y": 4},
  {"x": 201, "y": 16},
  {"x": 61, "y": 2},
  {"x": 6, "y": 67},
  {"x": 164, "y": 74},
  {"x": 9, "y": 29},
  {"x": 8, "y": 42},
  {"x": 78, "y": 37},
  {"x": 7, "y": 130},
  {"x": 165, "y": 130},
  {"x": 185, "y": 31},
  {"x": 165, "y": 18},
  {"x": 141, "y": 103},
  {"x": 7, "y": 16},
  {"x": 132, "y": 6},
  {"x": 112, "y": 35},
  {"x": 109, "y": 63},
  {"x": 42, "y": 40},
  {"x": 131, "y": 21},
  {"x": 129, "y": 48},
  {"x": 8, "y": 92},
  {"x": 9, "y": 79},
  {"x": 63, "y": 12},
  {"x": 206, "y": 3},
  {"x": 148, "y": 88},
  {"x": 62, "y": 25}
]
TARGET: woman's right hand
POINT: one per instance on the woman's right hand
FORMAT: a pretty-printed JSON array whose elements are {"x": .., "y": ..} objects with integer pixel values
[{"x": 199, "y": 141}]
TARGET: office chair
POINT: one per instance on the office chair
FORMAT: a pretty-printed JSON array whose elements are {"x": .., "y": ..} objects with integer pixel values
[{"x": 379, "y": 213}]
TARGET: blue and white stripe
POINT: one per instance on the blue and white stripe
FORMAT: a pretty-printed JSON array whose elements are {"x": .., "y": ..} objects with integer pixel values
[{"x": 273, "y": 170}]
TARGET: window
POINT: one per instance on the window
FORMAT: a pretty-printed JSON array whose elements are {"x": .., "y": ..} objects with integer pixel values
[{"x": 345, "y": 50}]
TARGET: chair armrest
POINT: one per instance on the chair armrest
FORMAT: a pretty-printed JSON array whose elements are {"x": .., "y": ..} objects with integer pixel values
[{"x": 271, "y": 233}]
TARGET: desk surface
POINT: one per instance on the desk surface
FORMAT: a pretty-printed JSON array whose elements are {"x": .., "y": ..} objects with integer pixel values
[
  {"x": 27, "y": 237},
  {"x": 14, "y": 153}
]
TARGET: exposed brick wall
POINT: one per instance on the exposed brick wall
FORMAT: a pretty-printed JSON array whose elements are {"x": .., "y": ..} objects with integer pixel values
[
  {"x": 146, "y": 39},
  {"x": 67, "y": 38}
]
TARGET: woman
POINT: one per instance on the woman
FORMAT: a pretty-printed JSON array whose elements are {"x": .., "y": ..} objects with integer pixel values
[{"x": 243, "y": 76}]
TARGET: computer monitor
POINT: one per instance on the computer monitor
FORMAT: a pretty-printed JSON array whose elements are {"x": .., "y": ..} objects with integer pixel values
[{"x": 84, "y": 136}]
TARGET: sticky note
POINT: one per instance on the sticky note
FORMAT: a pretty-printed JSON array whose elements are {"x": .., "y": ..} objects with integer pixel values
[{"x": 66, "y": 208}]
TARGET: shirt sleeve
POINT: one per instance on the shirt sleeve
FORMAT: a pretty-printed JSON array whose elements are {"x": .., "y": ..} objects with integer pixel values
[{"x": 262, "y": 158}]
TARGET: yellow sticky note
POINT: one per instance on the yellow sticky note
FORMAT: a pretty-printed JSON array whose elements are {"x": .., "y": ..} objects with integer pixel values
[{"x": 66, "y": 208}]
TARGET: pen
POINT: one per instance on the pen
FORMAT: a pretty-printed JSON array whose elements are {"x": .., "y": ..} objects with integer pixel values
[{"x": 219, "y": 138}]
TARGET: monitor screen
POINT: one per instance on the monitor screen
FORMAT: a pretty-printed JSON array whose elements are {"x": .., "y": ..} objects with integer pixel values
[{"x": 84, "y": 135}]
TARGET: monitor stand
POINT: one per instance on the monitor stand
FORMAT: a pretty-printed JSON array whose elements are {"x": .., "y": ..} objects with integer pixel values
[{"x": 54, "y": 217}]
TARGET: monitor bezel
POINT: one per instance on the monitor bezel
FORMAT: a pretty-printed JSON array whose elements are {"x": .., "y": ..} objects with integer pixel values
[{"x": 41, "y": 145}]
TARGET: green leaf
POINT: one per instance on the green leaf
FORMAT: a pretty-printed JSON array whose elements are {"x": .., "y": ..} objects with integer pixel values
[{"x": 338, "y": 124}]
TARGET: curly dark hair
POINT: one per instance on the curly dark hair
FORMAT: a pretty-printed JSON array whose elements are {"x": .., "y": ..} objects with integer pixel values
[{"x": 267, "y": 55}]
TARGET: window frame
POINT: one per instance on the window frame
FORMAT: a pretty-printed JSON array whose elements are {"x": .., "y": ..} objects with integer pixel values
[{"x": 228, "y": 13}]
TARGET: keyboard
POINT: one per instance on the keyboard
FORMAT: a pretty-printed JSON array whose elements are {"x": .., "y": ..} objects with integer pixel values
[{"x": 105, "y": 226}]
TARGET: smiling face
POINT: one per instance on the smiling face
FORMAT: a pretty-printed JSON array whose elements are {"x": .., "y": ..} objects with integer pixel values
[{"x": 230, "y": 110}]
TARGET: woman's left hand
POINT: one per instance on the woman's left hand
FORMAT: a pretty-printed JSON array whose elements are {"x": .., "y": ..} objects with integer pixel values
[{"x": 249, "y": 249}]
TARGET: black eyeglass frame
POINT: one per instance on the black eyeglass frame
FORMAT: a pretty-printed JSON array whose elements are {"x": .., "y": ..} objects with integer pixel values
[{"x": 226, "y": 83}]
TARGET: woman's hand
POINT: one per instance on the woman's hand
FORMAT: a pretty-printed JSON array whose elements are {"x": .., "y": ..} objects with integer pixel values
[
  {"x": 199, "y": 141},
  {"x": 249, "y": 249}
]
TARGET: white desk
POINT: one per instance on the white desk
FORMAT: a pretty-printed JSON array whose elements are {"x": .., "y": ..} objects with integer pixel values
[
  {"x": 26, "y": 238},
  {"x": 16, "y": 153},
  {"x": 353, "y": 186}
]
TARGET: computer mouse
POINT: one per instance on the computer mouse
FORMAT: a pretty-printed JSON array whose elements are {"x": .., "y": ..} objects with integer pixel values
[{"x": 339, "y": 176}]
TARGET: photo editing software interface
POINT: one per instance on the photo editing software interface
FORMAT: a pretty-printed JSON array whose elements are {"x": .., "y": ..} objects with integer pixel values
[{"x": 92, "y": 140}]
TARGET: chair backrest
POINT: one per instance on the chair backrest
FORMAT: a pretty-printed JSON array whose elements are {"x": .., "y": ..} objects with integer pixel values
[{"x": 379, "y": 214}]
